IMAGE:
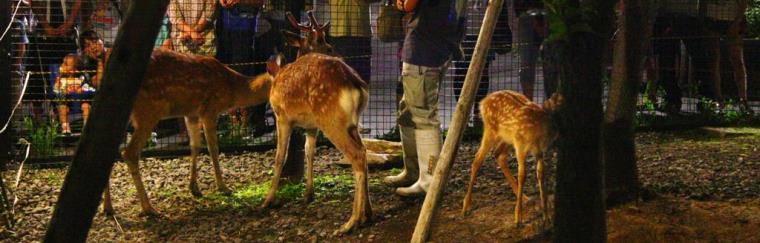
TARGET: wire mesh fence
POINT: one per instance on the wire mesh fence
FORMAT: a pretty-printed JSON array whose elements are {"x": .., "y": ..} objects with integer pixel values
[{"x": 60, "y": 45}]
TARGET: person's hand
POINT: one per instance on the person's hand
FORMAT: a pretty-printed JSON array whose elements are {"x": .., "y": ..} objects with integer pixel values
[
  {"x": 184, "y": 36},
  {"x": 196, "y": 37},
  {"x": 400, "y": 5}
]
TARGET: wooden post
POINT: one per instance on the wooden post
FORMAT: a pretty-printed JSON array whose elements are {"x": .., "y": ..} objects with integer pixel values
[
  {"x": 458, "y": 122},
  {"x": 6, "y": 89},
  {"x": 99, "y": 143}
]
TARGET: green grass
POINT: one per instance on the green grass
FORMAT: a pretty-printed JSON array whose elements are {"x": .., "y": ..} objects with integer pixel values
[
  {"x": 252, "y": 195},
  {"x": 54, "y": 178}
]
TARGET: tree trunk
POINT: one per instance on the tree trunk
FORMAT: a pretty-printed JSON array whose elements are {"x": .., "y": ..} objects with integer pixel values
[
  {"x": 619, "y": 155},
  {"x": 99, "y": 143},
  {"x": 579, "y": 202},
  {"x": 6, "y": 89}
]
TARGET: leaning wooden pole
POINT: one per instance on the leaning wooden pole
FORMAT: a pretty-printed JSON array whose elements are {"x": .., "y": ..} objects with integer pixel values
[
  {"x": 458, "y": 122},
  {"x": 95, "y": 154}
]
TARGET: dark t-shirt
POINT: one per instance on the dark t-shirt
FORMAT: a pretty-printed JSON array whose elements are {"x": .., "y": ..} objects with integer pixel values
[
  {"x": 522, "y": 6},
  {"x": 434, "y": 33}
]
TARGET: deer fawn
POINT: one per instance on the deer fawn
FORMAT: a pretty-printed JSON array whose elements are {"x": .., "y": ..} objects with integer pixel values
[
  {"x": 509, "y": 118},
  {"x": 321, "y": 92},
  {"x": 198, "y": 88}
]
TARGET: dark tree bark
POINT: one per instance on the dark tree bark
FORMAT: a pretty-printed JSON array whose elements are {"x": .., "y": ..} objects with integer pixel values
[
  {"x": 6, "y": 90},
  {"x": 579, "y": 202},
  {"x": 621, "y": 173},
  {"x": 99, "y": 143}
]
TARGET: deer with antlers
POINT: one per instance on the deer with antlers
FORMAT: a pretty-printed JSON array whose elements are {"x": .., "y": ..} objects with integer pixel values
[
  {"x": 510, "y": 118},
  {"x": 198, "y": 88},
  {"x": 320, "y": 92}
]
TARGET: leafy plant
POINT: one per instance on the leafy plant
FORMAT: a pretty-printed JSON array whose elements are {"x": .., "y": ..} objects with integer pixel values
[
  {"x": 753, "y": 19},
  {"x": 230, "y": 133},
  {"x": 41, "y": 137},
  {"x": 728, "y": 114}
]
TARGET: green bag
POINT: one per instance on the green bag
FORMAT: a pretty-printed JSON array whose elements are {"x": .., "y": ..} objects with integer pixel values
[{"x": 390, "y": 26}]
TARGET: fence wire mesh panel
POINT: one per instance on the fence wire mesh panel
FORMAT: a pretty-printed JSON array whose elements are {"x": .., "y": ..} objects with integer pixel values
[{"x": 693, "y": 66}]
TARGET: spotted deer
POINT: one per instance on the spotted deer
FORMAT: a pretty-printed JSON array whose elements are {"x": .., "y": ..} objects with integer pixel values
[
  {"x": 510, "y": 118},
  {"x": 320, "y": 92},
  {"x": 197, "y": 88}
]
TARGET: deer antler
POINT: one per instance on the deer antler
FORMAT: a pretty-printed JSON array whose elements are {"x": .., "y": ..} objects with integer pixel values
[
  {"x": 312, "y": 20},
  {"x": 294, "y": 22}
]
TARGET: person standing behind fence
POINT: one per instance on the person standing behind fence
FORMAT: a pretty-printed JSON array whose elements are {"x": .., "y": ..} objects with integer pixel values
[
  {"x": 435, "y": 31},
  {"x": 676, "y": 21},
  {"x": 54, "y": 38},
  {"x": 531, "y": 31},
  {"x": 235, "y": 29},
  {"x": 350, "y": 33},
  {"x": 192, "y": 26},
  {"x": 500, "y": 44}
]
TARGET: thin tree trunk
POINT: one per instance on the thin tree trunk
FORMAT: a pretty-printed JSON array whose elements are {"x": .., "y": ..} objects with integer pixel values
[
  {"x": 621, "y": 173},
  {"x": 6, "y": 89},
  {"x": 579, "y": 202},
  {"x": 99, "y": 143}
]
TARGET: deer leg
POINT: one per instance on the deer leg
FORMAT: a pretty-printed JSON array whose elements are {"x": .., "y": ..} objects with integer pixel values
[
  {"x": 486, "y": 144},
  {"x": 540, "y": 178},
  {"x": 311, "y": 142},
  {"x": 209, "y": 128},
  {"x": 283, "y": 138},
  {"x": 714, "y": 59},
  {"x": 194, "y": 132},
  {"x": 520, "y": 154},
  {"x": 132, "y": 157},
  {"x": 502, "y": 153},
  {"x": 349, "y": 142},
  {"x": 107, "y": 204}
]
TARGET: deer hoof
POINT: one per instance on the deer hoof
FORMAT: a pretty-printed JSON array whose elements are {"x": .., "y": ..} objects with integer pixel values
[
  {"x": 224, "y": 190},
  {"x": 108, "y": 211},
  {"x": 195, "y": 191},
  {"x": 347, "y": 227},
  {"x": 266, "y": 204},
  {"x": 150, "y": 213},
  {"x": 308, "y": 196}
]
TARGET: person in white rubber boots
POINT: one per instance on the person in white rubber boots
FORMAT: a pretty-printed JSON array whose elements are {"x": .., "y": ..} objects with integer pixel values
[{"x": 432, "y": 39}]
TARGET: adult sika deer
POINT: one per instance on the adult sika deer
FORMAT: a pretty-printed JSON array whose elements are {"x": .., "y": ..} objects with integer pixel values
[
  {"x": 198, "y": 88},
  {"x": 321, "y": 92},
  {"x": 509, "y": 118}
]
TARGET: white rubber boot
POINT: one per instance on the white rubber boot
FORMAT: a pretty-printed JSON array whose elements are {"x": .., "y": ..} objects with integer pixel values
[
  {"x": 428, "y": 150},
  {"x": 411, "y": 170}
]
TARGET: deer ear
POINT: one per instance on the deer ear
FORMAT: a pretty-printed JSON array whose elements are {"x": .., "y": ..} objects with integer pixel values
[
  {"x": 273, "y": 64},
  {"x": 325, "y": 27},
  {"x": 292, "y": 38}
]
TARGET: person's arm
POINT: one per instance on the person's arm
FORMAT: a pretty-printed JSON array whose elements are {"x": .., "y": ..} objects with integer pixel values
[
  {"x": 366, "y": 1},
  {"x": 175, "y": 17},
  {"x": 406, "y": 5},
  {"x": 101, "y": 69},
  {"x": 206, "y": 17},
  {"x": 67, "y": 25}
]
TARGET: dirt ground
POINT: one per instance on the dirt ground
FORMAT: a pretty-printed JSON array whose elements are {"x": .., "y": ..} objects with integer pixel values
[{"x": 703, "y": 187}]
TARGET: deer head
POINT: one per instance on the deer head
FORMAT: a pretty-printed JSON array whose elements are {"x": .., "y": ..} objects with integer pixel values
[
  {"x": 554, "y": 102},
  {"x": 314, "y": 39}
]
